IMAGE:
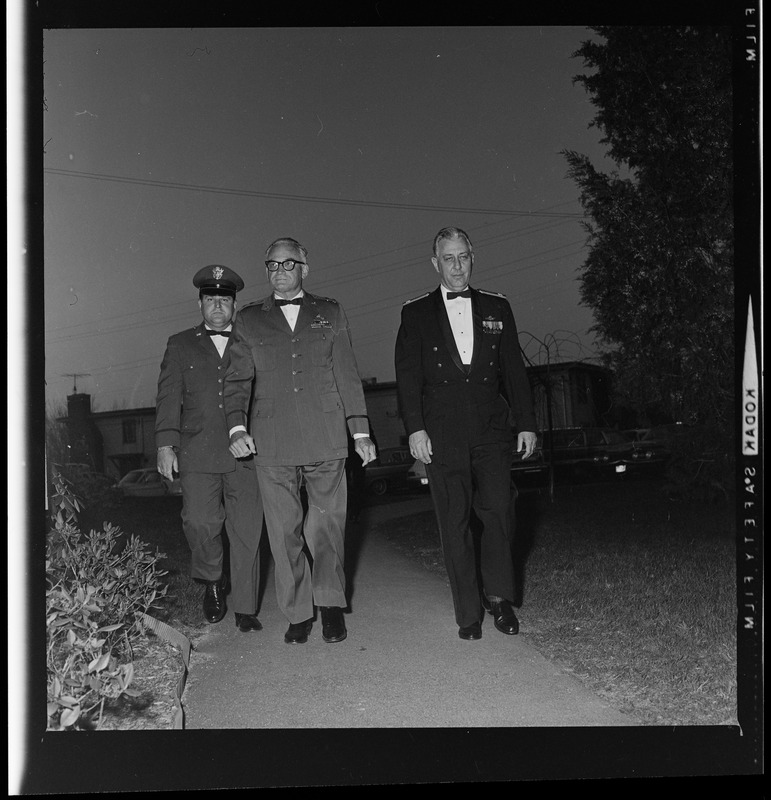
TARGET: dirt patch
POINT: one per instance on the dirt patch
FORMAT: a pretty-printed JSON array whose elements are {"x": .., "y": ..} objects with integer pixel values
[{"x": 158, "y": 668}]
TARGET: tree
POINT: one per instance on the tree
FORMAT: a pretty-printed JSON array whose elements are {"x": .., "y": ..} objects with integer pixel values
[{"x": 659, "y": 274}]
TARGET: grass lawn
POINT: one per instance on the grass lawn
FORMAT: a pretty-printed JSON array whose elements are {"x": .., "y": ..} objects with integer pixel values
[{"x": 631, "y": 592}]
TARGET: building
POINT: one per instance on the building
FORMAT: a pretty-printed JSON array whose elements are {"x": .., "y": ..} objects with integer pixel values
[
  {"x": 385, "y": 421},
  {"x": 112, "y": 442},
  {"x": 571, "y": 394}
]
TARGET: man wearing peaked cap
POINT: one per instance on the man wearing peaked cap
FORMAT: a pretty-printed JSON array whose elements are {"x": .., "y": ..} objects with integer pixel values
[
  {"x": 218, "y": 490},
  {"x": 217, "y": 278}
]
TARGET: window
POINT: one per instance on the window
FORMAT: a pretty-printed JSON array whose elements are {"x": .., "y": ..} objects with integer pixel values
[{"x": 129, "y": 431}]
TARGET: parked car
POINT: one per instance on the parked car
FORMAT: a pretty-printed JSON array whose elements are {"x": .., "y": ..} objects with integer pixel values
[
  {"x": 588, "y": 452},
  {"x": 417, "y": 478},
  {"x": 530, "y": 473},
  {"x": 651, "y": 448},
  {"x": 148, "y": 482},
  {"x": 636, "y": 434},
  {"x": 388, "y": 471}
]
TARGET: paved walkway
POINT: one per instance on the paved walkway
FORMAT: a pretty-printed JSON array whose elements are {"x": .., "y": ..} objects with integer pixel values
[{"x": 402, "y": 665}]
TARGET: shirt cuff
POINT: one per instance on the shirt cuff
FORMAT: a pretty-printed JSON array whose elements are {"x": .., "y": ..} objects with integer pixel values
[
  {"x": 236, "y": 428},
  {"x": 360, "y": 435}
]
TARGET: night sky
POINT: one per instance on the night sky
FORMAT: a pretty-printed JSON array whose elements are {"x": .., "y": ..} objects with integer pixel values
[{"x": 168, "y": 149}]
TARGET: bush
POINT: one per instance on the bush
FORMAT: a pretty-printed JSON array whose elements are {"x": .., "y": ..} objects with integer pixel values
[
  {"x": 95, "y": 489},
  {"x": 93, "y": 593}
]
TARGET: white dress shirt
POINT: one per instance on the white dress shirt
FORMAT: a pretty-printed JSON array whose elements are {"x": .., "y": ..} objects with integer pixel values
[
  {"x": 461, "y": 322},
  {"x": 291, "y": 312},
  {"x": 220, "y": 342}
]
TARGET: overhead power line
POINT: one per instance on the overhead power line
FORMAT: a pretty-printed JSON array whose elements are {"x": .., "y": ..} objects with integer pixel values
[{"x": 304, "y": 198}]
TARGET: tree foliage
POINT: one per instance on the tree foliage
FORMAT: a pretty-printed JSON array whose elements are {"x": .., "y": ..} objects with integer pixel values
[{"x": 659, "y": 274}]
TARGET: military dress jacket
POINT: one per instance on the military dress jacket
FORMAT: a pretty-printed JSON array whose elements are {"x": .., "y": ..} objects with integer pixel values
[
  {"x": 483, "y": 402},
  {"x": 189, "y": 408},
  {"x": 298, "y": 392}
]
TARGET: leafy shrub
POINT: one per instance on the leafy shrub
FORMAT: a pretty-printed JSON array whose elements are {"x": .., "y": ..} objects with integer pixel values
[
  {"x": 94, "y": 488},
  {"x": 93, "y": 593}
]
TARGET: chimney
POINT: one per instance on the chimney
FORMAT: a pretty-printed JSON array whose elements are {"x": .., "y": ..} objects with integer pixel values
[{"x": 79, "y": 407}]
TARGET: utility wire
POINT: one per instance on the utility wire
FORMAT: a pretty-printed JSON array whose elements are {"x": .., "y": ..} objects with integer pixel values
[
  {"x": 302, "y": 198},
  {"x": 324, "y": 282}
]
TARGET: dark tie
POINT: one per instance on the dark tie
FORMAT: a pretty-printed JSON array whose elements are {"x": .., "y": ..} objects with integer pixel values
[
  {"x": 226, "y": 334},
  {"x": 298, "y": 301},
  {"x": 453, "y": 295}
]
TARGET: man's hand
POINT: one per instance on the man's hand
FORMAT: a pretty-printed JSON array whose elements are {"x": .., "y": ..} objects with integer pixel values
[
  {"x": 365, "y": 447},
  {"x": 167, "y": 462},
  {"x": 526, "y": 441},
  {"x": 420, "y": 446},
  {"x": 241, "y": 444}
]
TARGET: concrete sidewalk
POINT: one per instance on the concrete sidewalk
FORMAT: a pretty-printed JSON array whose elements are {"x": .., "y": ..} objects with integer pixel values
[{"x": 402, "y": 665}]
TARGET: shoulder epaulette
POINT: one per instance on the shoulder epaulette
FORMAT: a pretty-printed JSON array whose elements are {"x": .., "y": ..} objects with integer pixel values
[
  {"x": 494, "y": 294},
  {"x": 419, "y": 297},
  {"x": 313, "y": 297}
]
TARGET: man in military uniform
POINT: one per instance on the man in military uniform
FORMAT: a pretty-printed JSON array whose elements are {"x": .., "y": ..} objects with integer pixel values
[
  {"x": 462, "y": 385},
  {"x": 294, "y": 349},
  {"x": 192, "y": 439}
]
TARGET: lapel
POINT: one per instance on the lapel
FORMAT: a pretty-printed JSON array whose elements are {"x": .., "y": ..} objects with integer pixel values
[
  {"x": 275, "y": 316},
  {"x": 476, "y": 313},
  {"x": 205, "y": 342},
  {"x": 444, "y": 325}
]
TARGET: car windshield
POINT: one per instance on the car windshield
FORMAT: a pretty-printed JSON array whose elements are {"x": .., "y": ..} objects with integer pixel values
[
  {"x": 616, "y": 437},
  {"x": 133, "y": 477}
]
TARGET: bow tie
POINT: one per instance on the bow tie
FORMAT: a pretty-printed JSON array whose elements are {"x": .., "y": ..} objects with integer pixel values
[
  {"x": 297, "y": 301},
  {"x": 226, "y": 334},
  {"x": 453, "y": 295}
]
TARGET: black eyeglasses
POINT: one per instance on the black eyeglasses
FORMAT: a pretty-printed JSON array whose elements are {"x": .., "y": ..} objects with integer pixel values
[{"x": 288, "y": 265}]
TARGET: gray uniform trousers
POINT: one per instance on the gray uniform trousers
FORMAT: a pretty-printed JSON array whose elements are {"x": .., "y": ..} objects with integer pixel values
[
  {"x": 298, "y": 585},
  {"x": 211, "y": 499}
]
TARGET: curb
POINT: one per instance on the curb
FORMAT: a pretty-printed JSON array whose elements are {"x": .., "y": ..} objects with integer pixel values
[{"x": 180, "y": 641}]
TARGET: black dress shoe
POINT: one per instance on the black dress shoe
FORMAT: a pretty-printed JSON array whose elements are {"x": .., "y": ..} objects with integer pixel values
[
  {"x": 297, "y": 632},
  {"x": 247, "y": 622},
  {"x": 332, "y": 624},
  {"x": 473, "y": 631},
  {"x": 214, "y": 607},
  {"x": 505, "y": 619}
]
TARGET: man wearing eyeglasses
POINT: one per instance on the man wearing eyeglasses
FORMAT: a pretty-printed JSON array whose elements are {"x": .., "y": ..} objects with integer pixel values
[
  {"x": 292, "y": 358},
  {"x": 462, "y": 386},
  {"x": 191, "y": 437}
]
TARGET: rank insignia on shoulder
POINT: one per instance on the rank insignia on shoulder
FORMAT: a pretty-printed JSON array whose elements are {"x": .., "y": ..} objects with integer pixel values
[
  {"x": 494, "y": 294},
  {"x": 490, "y": 325},
  {"x": 419, "y": 297}
]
